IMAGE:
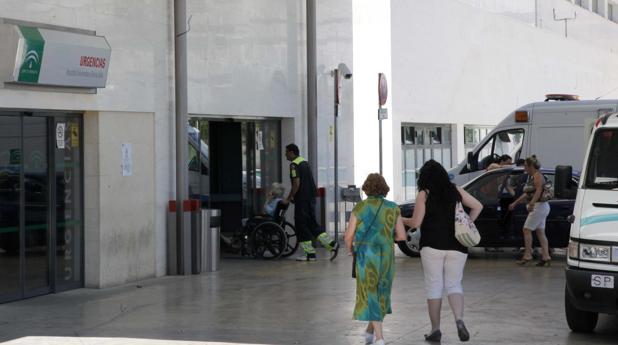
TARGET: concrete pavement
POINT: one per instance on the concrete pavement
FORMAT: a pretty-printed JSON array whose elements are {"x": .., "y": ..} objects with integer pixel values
[{"x": 288, "y": 302}]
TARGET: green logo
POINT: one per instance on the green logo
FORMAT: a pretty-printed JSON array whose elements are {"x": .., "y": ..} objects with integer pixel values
[{"x": 33, "y": 58}]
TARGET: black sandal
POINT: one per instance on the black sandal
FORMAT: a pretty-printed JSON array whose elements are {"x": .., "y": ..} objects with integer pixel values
[
  {"x": 462, "y": 332},
  {"x": 544, "y": 263},
  {"x": 435, "y": 336},
  {"x": 524, "y": 262}
]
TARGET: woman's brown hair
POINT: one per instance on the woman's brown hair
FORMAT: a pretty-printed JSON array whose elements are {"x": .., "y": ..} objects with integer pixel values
[
  {"x": 534, "y": 162},
  {"x": 375, "y": 185}
]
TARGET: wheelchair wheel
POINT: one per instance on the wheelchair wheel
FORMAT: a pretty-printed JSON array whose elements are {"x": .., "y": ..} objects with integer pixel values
[
  {"x": 268, "y": 241},
  {"x": 292, "y": 242}
]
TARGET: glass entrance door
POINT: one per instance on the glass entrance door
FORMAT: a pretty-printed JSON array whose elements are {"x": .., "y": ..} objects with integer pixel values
[
  {"x": 40, "y": 244},
  {"x": 232, "y": 165},
  {"x": 35, "y": 206},
  {"x": 10, "y": 210}
]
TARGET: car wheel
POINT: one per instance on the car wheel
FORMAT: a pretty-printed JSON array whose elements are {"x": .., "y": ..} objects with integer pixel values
[
  {"x": 411, "y": 246},
  {"x": 579, "y": 321}
]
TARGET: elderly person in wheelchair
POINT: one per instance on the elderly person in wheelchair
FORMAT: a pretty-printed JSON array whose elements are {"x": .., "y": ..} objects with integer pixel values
[{"x": 269, "y": 235}]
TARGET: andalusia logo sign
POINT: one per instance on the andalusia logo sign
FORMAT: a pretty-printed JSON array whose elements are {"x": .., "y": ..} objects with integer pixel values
[{"x": 30, "y": 68}]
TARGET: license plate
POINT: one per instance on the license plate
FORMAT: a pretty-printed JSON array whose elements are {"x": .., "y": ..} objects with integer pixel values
[{"x": 600, "y": 281}]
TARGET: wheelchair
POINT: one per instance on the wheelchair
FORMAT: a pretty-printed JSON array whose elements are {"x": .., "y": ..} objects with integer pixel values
[{"x": 267, "y": 237}]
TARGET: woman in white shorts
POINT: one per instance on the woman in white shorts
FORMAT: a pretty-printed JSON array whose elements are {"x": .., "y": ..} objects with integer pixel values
[
  {"x": 442, "y": 256},
  {"x": 538, "y": 211}
]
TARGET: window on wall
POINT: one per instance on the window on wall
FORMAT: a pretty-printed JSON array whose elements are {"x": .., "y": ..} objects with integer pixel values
[
  {"x": 474, "y": 134},
  {"x": 420, "y": 143}
]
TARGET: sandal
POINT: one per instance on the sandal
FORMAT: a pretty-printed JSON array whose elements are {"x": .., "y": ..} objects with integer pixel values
[
  {"x": 462, "y": 332},
  {"x": 544, "y": 263},
  {"x": 435, "y": 336},
  {"x": 524, "y": 262}
]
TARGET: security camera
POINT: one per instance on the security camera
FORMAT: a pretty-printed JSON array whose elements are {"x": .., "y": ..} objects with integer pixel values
[{"x": 345, "y": 71}]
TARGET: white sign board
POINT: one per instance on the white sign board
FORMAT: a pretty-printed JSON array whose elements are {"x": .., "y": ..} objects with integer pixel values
[
  {"x": 55, "y": 58},
  {"x": 127, "y": 159},
  {"x": 60, "y": 135}
]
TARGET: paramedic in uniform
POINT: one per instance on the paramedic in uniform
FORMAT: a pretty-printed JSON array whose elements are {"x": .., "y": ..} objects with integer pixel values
[{"x": 302, "y": 194}]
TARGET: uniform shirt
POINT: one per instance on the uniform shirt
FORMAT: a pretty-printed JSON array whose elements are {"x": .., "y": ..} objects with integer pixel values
[{"x": 299, "y": 168}]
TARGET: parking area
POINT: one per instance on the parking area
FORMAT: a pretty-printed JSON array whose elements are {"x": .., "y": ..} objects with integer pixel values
[{"x": 287, "y": 302}]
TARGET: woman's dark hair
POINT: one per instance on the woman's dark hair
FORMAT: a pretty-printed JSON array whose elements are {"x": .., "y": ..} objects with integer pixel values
[
  {"x": 375, "y": 185},
  {"x": 434, "y": 179}
]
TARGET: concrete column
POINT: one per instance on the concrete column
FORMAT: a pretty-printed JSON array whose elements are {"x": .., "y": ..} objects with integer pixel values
[
  {"x": 457, "y": 139},
  {"x": 602, "y": 8}
]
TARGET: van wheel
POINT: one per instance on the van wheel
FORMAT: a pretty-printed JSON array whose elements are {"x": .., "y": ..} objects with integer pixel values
[
  {"x": 410, "y": 246},
  {"x": 579, "y": 321}
]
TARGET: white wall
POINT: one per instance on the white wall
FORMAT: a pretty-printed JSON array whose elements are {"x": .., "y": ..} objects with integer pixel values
[
  {"x": 139, "y": 80},
  {"x": 247, "y": 57},
  {"x": 334, "y": 46},
  {"x": 461, "y": 64},
  {"x": 372, "y": 47},
  {"x": 119, "y": 210}
]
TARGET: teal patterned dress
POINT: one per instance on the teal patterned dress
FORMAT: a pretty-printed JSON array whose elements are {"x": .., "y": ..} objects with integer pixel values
[{"x": 375, "y": 258}]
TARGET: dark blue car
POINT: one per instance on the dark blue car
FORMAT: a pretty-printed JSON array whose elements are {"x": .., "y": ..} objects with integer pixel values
[{"x": 498, "y": 227}]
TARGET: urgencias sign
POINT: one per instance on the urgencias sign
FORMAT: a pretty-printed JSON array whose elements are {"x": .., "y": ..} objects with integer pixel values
[{"x": 38, "y": 56}]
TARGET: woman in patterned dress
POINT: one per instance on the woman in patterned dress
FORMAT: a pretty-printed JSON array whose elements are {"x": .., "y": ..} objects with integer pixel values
[{"x": 374, "y": 224}]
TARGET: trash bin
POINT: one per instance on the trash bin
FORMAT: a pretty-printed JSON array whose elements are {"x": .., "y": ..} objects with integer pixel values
[{"x": 211, "y": 234}]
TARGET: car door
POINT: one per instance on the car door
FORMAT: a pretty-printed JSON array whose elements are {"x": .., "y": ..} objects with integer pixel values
[
  {"x": 557, "y": 228},
  {"x": 487, "y": 190}
]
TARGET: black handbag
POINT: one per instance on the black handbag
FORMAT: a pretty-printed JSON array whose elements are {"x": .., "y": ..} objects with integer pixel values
[{"x": 353, "y": 251}]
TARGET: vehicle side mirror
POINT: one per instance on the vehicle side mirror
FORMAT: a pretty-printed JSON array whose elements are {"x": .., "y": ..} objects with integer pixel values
[
  {"x": 562, "y": 182},
  {"x": 473, "y": 163}
]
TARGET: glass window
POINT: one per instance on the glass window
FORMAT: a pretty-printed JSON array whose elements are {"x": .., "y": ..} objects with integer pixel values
[
  {"x": 437, "y": 156},
  {"x": 446, "y": 158},
  {"x": 487, "y": 189},
  {"x": 446, "y": 137},
  {"x": 602, "y": 168},
  {"x": 486, "y": 152},
  {"x": 436, "y": 135},
  {"x": 407, "y": 135},
  {"x": 419, "y": 134},
  {"x": 509, "y": 142}
]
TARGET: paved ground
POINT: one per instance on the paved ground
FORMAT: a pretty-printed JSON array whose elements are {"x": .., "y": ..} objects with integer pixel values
[{"x": 285, "y": 302}]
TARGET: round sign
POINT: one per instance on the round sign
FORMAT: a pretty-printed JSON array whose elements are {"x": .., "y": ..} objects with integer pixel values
[{"x": 382, "y": 88}]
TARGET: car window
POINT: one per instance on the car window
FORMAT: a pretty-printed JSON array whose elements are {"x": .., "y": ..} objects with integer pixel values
[{"x": 488, "y": 188}]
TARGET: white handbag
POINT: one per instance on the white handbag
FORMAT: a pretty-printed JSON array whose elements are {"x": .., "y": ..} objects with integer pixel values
[{"x": 465, "y": 230}]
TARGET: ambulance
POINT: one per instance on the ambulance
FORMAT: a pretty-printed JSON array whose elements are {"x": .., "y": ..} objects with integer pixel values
[
  {"x": 592, "y": 263},
  {"x": 556, "y": 131}
]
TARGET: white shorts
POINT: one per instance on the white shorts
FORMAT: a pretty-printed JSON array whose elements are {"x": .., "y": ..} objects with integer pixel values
[
  {"x": 443, "y": 270},
  {"x": 536, "y": 218}
]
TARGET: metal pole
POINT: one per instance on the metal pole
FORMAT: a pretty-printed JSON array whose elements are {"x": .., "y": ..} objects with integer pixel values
[
  {"x": 336, "y": 154},
  {"x": 380, "y": 145},
  {"x": 180, "y": 58},
  {"x": 312, "y": 89}
]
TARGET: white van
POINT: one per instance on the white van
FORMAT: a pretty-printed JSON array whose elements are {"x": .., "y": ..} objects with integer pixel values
[
  {"x": 556, "y": 130},
  {"x": 592, "y": 264}
]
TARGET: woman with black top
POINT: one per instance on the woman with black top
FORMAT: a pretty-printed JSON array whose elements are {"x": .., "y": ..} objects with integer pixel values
[{"x": 442, "y": 256}]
